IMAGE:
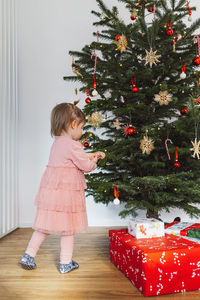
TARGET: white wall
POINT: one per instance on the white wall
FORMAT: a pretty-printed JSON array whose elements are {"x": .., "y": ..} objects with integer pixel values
[{"x": 47, "y": 30}]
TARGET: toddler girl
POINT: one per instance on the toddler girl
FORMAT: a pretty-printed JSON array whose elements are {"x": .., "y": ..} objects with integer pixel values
[{"x": 60, "y": 200}]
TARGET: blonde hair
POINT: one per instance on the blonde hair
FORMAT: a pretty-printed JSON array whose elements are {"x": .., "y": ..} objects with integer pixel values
[{"x": 63, "y": 115}]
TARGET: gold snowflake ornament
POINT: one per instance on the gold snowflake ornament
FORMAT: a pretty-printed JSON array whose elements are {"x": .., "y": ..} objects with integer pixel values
[
  {"x": 146, "y": 145},
  {"x": 151, "y": 57},
  {"x": 196, "y": 148},
  {"x": 121, "y": 43},
  {"x": 117, "y": 124},
  {"x": 95, "y": 119},
  {"x": 163, "y": 98},
  {"x": 76, "y": 68}
]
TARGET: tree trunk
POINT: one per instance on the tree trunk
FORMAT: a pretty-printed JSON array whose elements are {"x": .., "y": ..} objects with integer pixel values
[{"x": 152, "y": 214}]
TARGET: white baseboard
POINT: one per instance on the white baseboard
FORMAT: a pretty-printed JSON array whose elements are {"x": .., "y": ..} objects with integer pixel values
[
  {"x": 12, "y": 229},
  {"x": 29, "y": 225}
]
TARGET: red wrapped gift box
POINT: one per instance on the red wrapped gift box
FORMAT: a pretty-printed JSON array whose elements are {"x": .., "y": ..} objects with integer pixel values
[
  {"x": 156, "y": 266},
  {"x": 185, "y": 229}
]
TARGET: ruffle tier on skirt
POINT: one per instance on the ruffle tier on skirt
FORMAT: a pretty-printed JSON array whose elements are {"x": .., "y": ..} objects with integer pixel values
[
  {"x": 60, "y": 201},
  {"x": 60, "y": 223}
]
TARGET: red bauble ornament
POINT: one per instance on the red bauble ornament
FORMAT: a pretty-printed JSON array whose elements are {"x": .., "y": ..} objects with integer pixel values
[
  {"x": 184, "y": 111},
  {"x": 94, "y": 85},
  {"x": 197, "y": 100},
  {"x": 118, "y": 37},
  {"x": 150, "y": 8},
  {"x": 135, "y": 89},
  {"x": 177, "y": 164},
  {"x": 87, "y": 100},
  {"x": 130, "y": 130},
  {"x": 169, "y": 32},
  {"x": 196, "y": 61},
  {"x": 133, "y": 18},
  {"x": 86, "y": 144}
]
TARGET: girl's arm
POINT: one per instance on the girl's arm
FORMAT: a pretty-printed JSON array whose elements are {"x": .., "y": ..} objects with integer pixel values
[
  {"x": 99, "y": 154},
  {"x": 81, "y": 159}
]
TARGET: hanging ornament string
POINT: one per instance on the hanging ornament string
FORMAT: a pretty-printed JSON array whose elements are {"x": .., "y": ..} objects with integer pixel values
[
  {"x": 196, "y": 129},
  {"x": 135, "y": 89},
  {"x": 176, "y": 163},
  {"x": 190, "y": 15},
  {"x": 95, "y": 61},
  {"x": 95, "y": 55},
  {"x": 176, "y": 153},
  {"x": 154, "y": 11},
  {"x": 133, "y": 83},
  {"x": 168, "y": 140},
  {"x": 196, "y": 120},
  {"x": 116, "y": 191},
  {"x": 94, "y": 92},
  {"x": 182, "y": 75},
  {"x": 87, "y": 100},
  {"x": 94, "y": 83},
  {"x": 196, "y": 36},
  {"x": 183, "y": 66},
  {"x": 97, "y": 36}
]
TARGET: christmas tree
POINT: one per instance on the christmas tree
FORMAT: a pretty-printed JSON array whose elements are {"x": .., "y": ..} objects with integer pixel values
[{"x": 141, "y": 83}]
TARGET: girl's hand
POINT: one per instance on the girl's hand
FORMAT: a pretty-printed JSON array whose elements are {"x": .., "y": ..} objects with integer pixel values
[
  {"x": 95, "y": 158},
  {"x": 100, "y": 155},
  {"x": 91, "y": 155}
]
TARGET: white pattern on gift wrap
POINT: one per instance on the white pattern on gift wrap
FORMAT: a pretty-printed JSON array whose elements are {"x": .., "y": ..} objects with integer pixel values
[
  {"x": 136, "y": 274},
  {"x": 160, "y": 277},
  {"x": 124, "y": 259},
  {"x": 160, "y": 287},
  {"x": 172, "y": 275},
  {"x": 127, "y": 252},
  {"x": 131, "y": 268},
  {"x": 144, "y": 259},
  {"x": 176, "y": 260},
  {"x": 194, "y": 274},
  {"x": 163, "y": 261},
  {"x": 143, "y": 275}
]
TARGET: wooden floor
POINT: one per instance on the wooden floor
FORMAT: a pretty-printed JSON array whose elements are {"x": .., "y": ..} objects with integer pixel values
[{"x": 96, "y": 278}]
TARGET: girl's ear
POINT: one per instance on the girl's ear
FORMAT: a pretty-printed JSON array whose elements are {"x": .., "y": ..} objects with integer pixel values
[{"x": 73, "y": 124}]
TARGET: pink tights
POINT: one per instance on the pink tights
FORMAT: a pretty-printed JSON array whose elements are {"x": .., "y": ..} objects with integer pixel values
[{"x": 66, "y": 245}]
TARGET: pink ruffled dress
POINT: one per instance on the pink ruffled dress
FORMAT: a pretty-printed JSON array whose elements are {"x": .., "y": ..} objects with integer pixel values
[{"x": 60, "y": 200}]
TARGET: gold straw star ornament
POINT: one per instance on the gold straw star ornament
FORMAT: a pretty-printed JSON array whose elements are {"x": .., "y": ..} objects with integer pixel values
[
  {"x": 117, "y": 124},
  {"x": 151, "y": 57},
  {"x": 196, "y": 148},
  {"x": 146, "y": 145},
  {"x": 163, "y": 98},
  {"x": 121, "y": 43}
]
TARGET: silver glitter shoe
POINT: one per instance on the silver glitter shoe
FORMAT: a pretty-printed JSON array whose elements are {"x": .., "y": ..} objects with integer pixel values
[
  {"x": 65, "y": 268},
  {"x": 27, "y": 262}
]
